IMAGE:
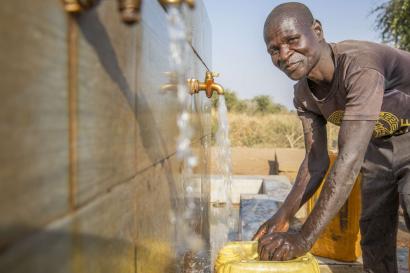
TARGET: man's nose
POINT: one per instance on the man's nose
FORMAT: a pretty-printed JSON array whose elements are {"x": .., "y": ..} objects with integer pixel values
[{"x": 284, "y": 53}]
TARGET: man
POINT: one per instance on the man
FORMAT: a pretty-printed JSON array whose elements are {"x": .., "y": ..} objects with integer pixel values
[{"x": 365, "y": 88}]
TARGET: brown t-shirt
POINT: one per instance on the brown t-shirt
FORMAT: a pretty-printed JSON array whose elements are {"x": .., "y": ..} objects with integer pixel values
[{"x": 371, "y": 82}]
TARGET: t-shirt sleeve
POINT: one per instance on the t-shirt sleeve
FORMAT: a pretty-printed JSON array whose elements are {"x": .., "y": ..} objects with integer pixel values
[
  {"x": 364, "y": 94},
  {"x": 310, "y": 119}
]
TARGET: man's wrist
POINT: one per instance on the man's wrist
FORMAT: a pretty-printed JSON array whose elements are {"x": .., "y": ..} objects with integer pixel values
[
  {"x": 307, "y": 236},
  {"x": 282, "y": 216}
]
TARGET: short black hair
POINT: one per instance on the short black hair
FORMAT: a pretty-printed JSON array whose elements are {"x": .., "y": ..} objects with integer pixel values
[{"x": 296, "y": 10}]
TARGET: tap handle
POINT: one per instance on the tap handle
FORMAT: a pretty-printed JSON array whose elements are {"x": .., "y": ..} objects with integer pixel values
[
  {"x": 193, "y": 85},
  {"x": 209, "y": 75}
]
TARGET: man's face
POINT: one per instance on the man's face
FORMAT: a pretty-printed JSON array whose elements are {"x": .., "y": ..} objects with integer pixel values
[{"x": 294, "y": 48}]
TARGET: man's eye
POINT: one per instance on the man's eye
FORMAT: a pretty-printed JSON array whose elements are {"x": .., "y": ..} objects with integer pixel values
[
  {"x": 274, "y": 52},
  {"x": 293, "y": 40}
]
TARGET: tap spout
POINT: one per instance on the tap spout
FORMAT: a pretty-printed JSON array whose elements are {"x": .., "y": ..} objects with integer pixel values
[
  {"x": 218, "y": 89},
  {"x": 209, "y": 85}
]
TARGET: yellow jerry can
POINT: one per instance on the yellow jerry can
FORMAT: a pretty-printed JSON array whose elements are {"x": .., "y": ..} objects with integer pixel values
[
  {"x": 341, "y": 238},
  {"x": 242, "y": 257}
]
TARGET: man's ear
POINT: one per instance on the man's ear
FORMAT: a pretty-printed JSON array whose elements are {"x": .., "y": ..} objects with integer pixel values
[{"x": 317, "y": 28}]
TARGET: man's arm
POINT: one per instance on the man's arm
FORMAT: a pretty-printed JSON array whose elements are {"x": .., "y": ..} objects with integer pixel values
[
  {"x": 354, "y": 137},
  {"x": 310, "y": 174},
  {"x": 311, "y": 171}
]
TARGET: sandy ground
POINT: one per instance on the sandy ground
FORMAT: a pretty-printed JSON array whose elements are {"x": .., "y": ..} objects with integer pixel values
[{"x": 263, "y": 161}]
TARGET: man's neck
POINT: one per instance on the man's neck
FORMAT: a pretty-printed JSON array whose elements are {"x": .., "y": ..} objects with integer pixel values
[{"x": 322, "y": 73}]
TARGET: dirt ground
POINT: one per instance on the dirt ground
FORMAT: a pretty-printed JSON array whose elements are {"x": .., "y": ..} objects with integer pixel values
[{"x": 265, "y": 161}]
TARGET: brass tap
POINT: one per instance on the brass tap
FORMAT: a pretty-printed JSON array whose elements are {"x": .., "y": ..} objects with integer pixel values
[
  {"x": 129, "y": 9},
  {"x": 209, "y": 85},
  {"x": 76, "y": 6},
  {"x": 166, "y": 3}
]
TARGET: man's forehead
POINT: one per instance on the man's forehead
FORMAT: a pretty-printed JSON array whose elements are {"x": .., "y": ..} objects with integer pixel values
[
  {"x": 285, "y": 25},
  {"x": 290, "y": 21}
]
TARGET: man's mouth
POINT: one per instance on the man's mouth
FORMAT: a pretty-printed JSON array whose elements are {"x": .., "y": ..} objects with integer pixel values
[{"x": 292, "y": 66}]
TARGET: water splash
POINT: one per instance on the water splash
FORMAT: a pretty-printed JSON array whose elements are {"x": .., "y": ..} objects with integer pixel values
[
  {"x": 192, "y": 248},
  {"x": 189, "y": 245},
  {"x": 178, "y": 64}
]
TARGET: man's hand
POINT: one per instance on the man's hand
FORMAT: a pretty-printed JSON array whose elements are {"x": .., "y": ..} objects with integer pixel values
[
  {"x": 274, "y": 224},
  {"x": 282, "y": 246}
]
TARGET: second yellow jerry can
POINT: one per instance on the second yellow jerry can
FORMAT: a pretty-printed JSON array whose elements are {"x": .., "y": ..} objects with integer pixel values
[
  {"x": 242, "y": 257},
  {"x": 341, "y": 238}
]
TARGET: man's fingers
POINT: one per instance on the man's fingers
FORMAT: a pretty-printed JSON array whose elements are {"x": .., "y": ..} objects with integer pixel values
[
  {"x": 270, "y": 250},
  {"x": 281, "y": 253},
  {"x": 268, "y": 246},
  {"x": 265, "y": 239},
  {"x": 264, "y": 255},
  {"x": 261, "y": 231},
  {"x": 267, "y": 250},
  {"x": 263, "y": 249}
]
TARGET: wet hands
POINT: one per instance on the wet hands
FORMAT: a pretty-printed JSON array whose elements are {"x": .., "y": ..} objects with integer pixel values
[
  {"x": 274, "y": 224},
  {"x": 282, "y": 246},
  {"x": 276, "y": 243}
]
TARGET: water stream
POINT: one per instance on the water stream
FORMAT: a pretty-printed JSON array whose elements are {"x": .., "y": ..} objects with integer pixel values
[
  {"x": 193, "y": 252},
  {"x": 223, "y": 216},
  {"x": 224, "y": 151},
  {"x": 189, "y": 245}
]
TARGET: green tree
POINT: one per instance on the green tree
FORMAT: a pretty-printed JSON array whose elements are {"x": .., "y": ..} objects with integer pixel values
[
  {"x": 393, "y": 20},
  {"x": 260, "y": 104},
  {"x": 265, "y": 105},
  {"x": 241, "y": 107}
]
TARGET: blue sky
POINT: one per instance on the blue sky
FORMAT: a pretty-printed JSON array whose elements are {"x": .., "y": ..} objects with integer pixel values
[{"x": 238, "y": 49}]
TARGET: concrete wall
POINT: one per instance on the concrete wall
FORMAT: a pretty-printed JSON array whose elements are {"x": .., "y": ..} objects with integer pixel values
[{"x": 88, "y": 171}]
